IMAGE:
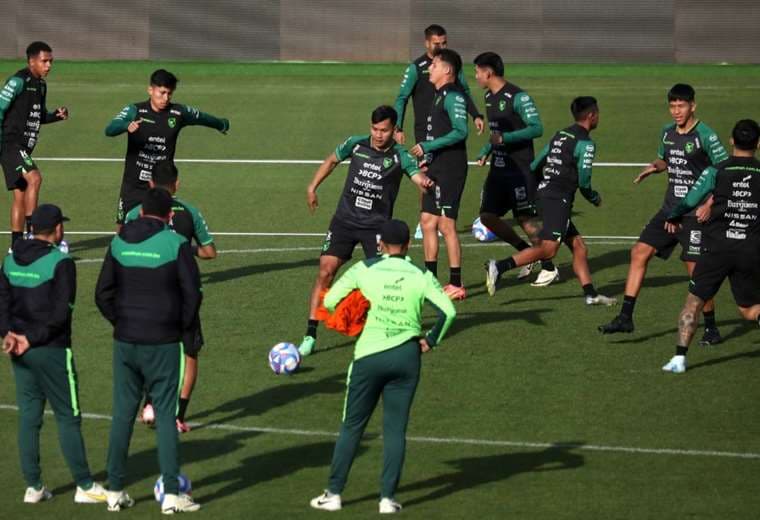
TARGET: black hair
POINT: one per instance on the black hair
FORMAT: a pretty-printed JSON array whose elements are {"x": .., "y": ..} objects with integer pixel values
[
  {"x": 434, "y": 30},
  {"x": 157, "y": 202},
  {"x": 490, "y": 60},
  {"x": 35, "y": 48},
  {"x": 163, "y": 78},
  {"x": 681, "y": 92},
  {"x": 746, "y": 134},
  {"x": 384, "y": 112},
  {"x": 450, "y": 57},
  {"x": 583, "y": 105},
  {"x": 165, "y": 174}
]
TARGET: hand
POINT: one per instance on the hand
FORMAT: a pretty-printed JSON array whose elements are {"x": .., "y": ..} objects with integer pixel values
[
  {"x": 646, "y": 172},
  {"x": 311, "y": 200},
  {"x": 417, "y": 150},
  {"x": 424, "y": 345},
  {"x": 62, "y": 113},
  {"x": 398, "y": 136},
  {"x": 704, "y": 211},
  {"x": 672, "y": 227},
  {"x": 482, "y": 161},
  {"x": 225, "y": 126},
  {"x": 134, "y": 126},
  {"x": 423, "y": 181},
  {"x": 22, "y": 343},
  {"x": 9, "y": 343},
  {"x": 480, "y": 124},
  {"x": 496, "y": 138}
]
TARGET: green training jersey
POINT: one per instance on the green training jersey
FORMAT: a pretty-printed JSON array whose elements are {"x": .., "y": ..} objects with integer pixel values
[{"x": 187, "y": 221}]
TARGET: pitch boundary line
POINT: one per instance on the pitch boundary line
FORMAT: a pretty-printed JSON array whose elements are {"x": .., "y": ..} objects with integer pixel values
[{"x": 456, "y": 440}]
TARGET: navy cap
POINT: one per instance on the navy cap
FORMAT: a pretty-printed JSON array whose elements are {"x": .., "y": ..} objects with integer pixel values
[
  {"x": 395, "y": 232},
  {"x": 46, "y": 217}
]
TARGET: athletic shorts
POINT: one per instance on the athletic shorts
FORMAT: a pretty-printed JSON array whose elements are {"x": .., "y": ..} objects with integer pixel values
[
  {"x": 192, "y": 342},
  {"x": 341, "y": 240},
  {"x": 444, "y": 198},
  {"x": 126, "y": 203},
  {"x": 16, "y": 162},
  {"x": 505, "y": 191},
  {"x": 741, "y": 268},
  {"x": 689, "y": 236},
  {"x": 558, "y": 226}
]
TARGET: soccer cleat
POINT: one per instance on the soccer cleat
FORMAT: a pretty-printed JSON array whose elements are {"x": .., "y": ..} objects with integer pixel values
[
  {"x": 148, "y": 415},
  {"x": 34, "y": 496},
  {"x": 526, "y": 270},
  {"x": 95, "y": 495},
  {"x": 183, "y": 427},
  {"x": 492, "y": 274},
  {"x": 455, "y": 292},
  {"x": 600, "y": 299},
  {"x": 418, "y": 232},
  {"x": 388, "y": 505},
  {"x": 676, "y": 365},
  {"x": 182, "y": 503},
  {"x": 118, "y": 500},
  {"x": 710, "y": 337},
  {"x": 620, "y": 323},
  {"x": 326, "y": 501},
  {"x": 546, "y": 277},
  {"x": 308, "y": 344}
]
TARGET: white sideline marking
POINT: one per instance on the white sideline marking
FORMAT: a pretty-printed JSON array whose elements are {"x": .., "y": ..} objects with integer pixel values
[{"x": 457, "y": 440}]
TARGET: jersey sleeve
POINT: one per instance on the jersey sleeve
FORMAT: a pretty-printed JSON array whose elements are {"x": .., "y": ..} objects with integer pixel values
[
  {"x": 711, "y": 142},
  {"x": 133, "y": 214},
  {"x": 472, "y": 108},
  {"x": 346, "y": 149},
  {"x": 526, "y": 109},
  {"x": 540, "y": 160},
  {"x": 701, "y": 189},
  {"x": 584, "y": 155},
  {"x": 408, "y": 163},
  {"x": 484, "y": 151},
  {"x": 661, "y": 147},
  {"x": 405, "y": 91},
  {"x": 119, "y": 124},
  {"x": 344, "y": 285},
  {"x": 191, "y": 116},
  {"x": 11, "y": 89},
  {"x": 200, "y": 228},
  {"x": 454, "y": 104},
  {"x": 443, "y": 306}
]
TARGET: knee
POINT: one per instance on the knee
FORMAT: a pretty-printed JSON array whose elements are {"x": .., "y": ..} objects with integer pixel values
[
  {"x": 640, "y": 254},
  {"x": 489, "y": 220},
  {"x": 325, "y": 277},
  {"x": 33, "y": 180}
]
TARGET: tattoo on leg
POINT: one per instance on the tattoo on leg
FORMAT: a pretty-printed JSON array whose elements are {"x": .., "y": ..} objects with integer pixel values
[{"x": 687, "y": 322}]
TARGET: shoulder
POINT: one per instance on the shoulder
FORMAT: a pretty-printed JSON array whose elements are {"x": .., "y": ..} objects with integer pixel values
[
  {"x": 354, "y": 140},
  {"x": 15, "y": 83},
  {"x": 706, "y": 132},
  {"x": 668, "y": 128},
  {"x": 193, "y": 210},
  {"x": 369, "y": 262},
  {"x": 422, "y": 61}
]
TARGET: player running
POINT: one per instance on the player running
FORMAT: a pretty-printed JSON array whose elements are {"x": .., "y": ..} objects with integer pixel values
[{"x": 687, "y": 147}]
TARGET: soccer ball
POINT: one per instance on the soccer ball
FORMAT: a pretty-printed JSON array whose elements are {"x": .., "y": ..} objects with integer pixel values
[
  {"x": 284, "y": 358},
  {"x": 63, "y": 247},
  {"x": 482, "y": 233},
  {"x": 185, "y": 486}
]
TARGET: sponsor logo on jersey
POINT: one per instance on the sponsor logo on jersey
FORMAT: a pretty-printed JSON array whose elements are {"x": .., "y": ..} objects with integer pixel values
[
  {"x": 172, "y": 122},
  {"x": 502, "y": 105},
  {"x": 387, "y": 162},
  {"x": 689, "y": 147}
]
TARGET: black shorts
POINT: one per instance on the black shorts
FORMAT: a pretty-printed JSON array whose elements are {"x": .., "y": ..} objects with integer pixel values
[
  {"x": 689, "y": 236},
  {"x": 557, "y": 225},
  {"x": 192, "y": 342},
  {"x": 444, "y": 197},
  {"x": 16, "y": 162},
  {"x": 505, "y": 191},
  {"x": 126, "y": 203},
  {"x": 341, "y": 240},
  {"x": 741, "y": 268}
]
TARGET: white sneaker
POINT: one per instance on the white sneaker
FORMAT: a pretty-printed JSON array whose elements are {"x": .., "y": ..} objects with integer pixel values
[
  {"x": 600, "y": 299},
  {"x": 546, "y": 277},
  {"x": 95, "y": 495},
  {"x": 418, "y": 232},
  {"x": 33, "y": 496},
  {"x": 118, "y": 500},
  {"x": 677, "y": 365},
  {"x": 492, "y": 274},
  {"x": 326, "y": 501},
  {"x": 182, "y": 503},
  {"x": 526, "y": 270},
  {"x": 388, "y": 505}
]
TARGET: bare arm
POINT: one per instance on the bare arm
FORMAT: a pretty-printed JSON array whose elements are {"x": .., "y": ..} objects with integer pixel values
[{"x": 324, "y": 171}]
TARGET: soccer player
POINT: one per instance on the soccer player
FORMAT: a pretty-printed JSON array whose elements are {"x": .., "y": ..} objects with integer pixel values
[
  {"x": 731, "y": 236},
  {"x": 687, "y": 147},
  {"x": 149, "y": 289},
  {"x": 444, "y": 152},
  {"x": 188, "y": 222},
  {"x": 37, "y": 293},
  {"x": 153, "y": 127},
  {"x": 510, "y": 186},
  {"x": 386, "y": 358},
  {"x": 374, "y": 174},
  {"x": 565, "y": 163},
  {"x": 22, "y": 111}
]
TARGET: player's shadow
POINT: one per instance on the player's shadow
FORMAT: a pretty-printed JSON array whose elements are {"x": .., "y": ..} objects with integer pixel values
[
  {"x": 466, "y": 320},
  {"x": 618, "y": 286},
  {"x": 726, "y": 359},
  {"x": 100, "y": 243},
  {"x": 249, "y": 270},
  {"x": 741, "y": 328},
  {"x": 471, "y": 472}
]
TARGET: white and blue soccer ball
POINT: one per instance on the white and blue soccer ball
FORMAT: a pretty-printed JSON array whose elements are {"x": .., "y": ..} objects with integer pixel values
[
  {"x": 63, "y": 247},
  {"x": 481, "y": 232},
  {"x": 284, "y": 358},
  {"x": 185, "y": 487}
]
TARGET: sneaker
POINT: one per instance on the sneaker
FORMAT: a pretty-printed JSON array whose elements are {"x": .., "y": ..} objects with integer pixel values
[
  {"x": 34, "y": 496},
  {"x": 546, "y": 277},
  {"x": 182, "y": 503},
  {"x": 620, "y": 323},
  {"x": 455, "y": 292},
  {"x": 148, "y": 415},
  {"x": 183, "y": 427},
  {"x": 308, "y": 344},
  {"x": 492, "y": 274},
  {"x": 118, "y": 500},
  {"x": 95, "y": 495},
  {"x": 327, "y": 501},
  {"x": 526, "y": 270},
  {"x": 677, "y": 365},
  {"x": 418, "y": 232},
  {"x": 711, "y": 337},
  {"x": 600, "y": 299},
  {"x": 388, "y": 505}
]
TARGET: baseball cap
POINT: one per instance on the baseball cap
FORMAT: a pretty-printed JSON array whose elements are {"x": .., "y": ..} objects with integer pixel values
[
  {"x": 395, "y": 232},
  {"x": 46, "y": 217}
]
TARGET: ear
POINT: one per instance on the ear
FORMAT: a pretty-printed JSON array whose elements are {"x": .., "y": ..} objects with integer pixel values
[
  {"x": 176, "y": 185},
  {"x": 142, "y": 213}
]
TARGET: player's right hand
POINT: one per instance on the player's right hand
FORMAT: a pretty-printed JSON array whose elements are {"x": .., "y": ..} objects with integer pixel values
[
  {"x": 399, "y": 136},
  {"x": 312, "y": 201},
  {"x": 672, "y": 227},
  {"x": 646, "y": 172},
  {"x": 424, "y": 345},
  {"x": 482, "y": 161},
  {"x": 134, "y": 126}
]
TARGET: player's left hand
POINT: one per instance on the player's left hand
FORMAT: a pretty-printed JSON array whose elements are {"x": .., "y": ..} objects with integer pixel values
[
  {"x": 480, "y": 124},
  {"x": 672, "y": 227},
  {"x": 9, "y": 343},
  {"x": 704, "y": 212},
  {"x": 417, "y": 150},
  {"x": 423, "y": 181},
  {"x": 62, "y": 113},
  {"x": 22, "y": 343},
  {"x": 424, "y": 345},
  {"x": 311, "y": 200},
  {"x": 496, "y": 138},
  {"x": 482, "y": 161}
]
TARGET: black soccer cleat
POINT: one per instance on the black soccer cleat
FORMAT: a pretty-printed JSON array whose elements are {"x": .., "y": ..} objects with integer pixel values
[
  {"x": 621, "y": 323},
  {"x": 711, "y": 337}
]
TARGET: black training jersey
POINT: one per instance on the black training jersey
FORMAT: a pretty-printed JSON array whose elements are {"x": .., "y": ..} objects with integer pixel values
[
  {"x": 735, "y": 218},
  {"x": 372, "y": 182},
  {"x": 23, "y": 110},
  {"x": 445, "y": 144},
  {"x": 566, "y": 163},
  {"x": 186, "y": 220}
]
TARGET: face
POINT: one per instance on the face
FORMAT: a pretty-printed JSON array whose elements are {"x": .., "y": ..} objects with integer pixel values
[
  {"x": 41, "y": 64},
  {"x": 594, "y": 119},
  {"x": 434, "y": 43},
  {"x": 58, "y": 232},
  {"x": 381, "y": 134},
  {"x": 681, "y": 111},
  {"x": 438, "y": 70},
  {"x": 160, "y": 97},
  {"x": 482, "y": 75}
]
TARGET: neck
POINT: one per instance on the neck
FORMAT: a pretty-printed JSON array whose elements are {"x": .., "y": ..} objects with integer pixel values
[
  {"x": 682, "y": 129},
  {"x": 496, "y": 84},
  {"x": 156, "y": 217},
  {"x": 584, "y": 124},
  {"x": 736, "y": 152},
  {"x": 443, "y": 81},
  {"x": 46, "y": 238},
  {"x": 381, "y": 148},
  {"x": 154, "y": 107}
]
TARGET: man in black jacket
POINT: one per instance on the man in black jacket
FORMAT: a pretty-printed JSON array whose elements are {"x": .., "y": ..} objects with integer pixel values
[{"x": 149, "y": 289}]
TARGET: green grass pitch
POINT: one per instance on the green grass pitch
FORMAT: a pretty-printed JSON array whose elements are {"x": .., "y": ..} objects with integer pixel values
[{"x": 525, "y": 368}]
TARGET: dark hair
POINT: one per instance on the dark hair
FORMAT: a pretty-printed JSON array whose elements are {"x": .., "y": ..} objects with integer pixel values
[
  {"x": 163, "y": 78},
  {"x": 434, "y": 30},
  {"x": 746, "y": 135},
  {"x": 165, "y": 174},
  {"x": 157, "y": 202},
  {"x": 490, "y": 60},
  {"x": 450, "y": 57},
  {"x": 583, "y": 105},
  {"x": 681, "y": 92},
  {"x": 384, "y": 112},
  {"x": 35, "y": 48}
]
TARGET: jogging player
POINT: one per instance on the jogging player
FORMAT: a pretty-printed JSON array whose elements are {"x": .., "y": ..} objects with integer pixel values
[
  {"x": 687, "y": 147},
  {"x": 22, "y": 111},
  {"x": 153, "y": 127},
  {"x": 731, "y": 236},
  {"x": 386, "y": 358},
  {"x": 369, "y": 193},
  {"x": 565, "y": 163}
]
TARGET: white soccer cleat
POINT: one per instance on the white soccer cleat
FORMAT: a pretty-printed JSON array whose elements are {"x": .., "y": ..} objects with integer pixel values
[
  {"x": 526, "y": 270},
  {"x": 388, "y": 505},
  {"x": 34, "y": 496},
  {"x": 182, "y": 503},
  {"x": 600, "y": 299},
  {"x": 546, "y": 277},
  {"x": 418, "y": 232},
  {"x": 327, "y": 501},
  {"x": 492, "y": 274},
  {"x": 118, "y": 500},
  {"x": 95, "y": 495},
  {"x": 676, "y": 365}
]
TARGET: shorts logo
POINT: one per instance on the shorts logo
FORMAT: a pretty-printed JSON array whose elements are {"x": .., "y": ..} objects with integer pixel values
[
  {"x": 521, "y": 193},
  {"x": 695, "y": 237},
  {"x": 387, "y": 162},
  {"x": 326, "y": 243},
  {"x": 689, "y": 147},
  {"x": 27, "y": 160},
  {"x": 502, "y": 105},
  {"x": 172, "y": 122}
]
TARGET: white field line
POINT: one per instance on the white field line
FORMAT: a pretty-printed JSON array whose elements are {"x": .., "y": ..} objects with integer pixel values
[{"x": 458, "y": 440}]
